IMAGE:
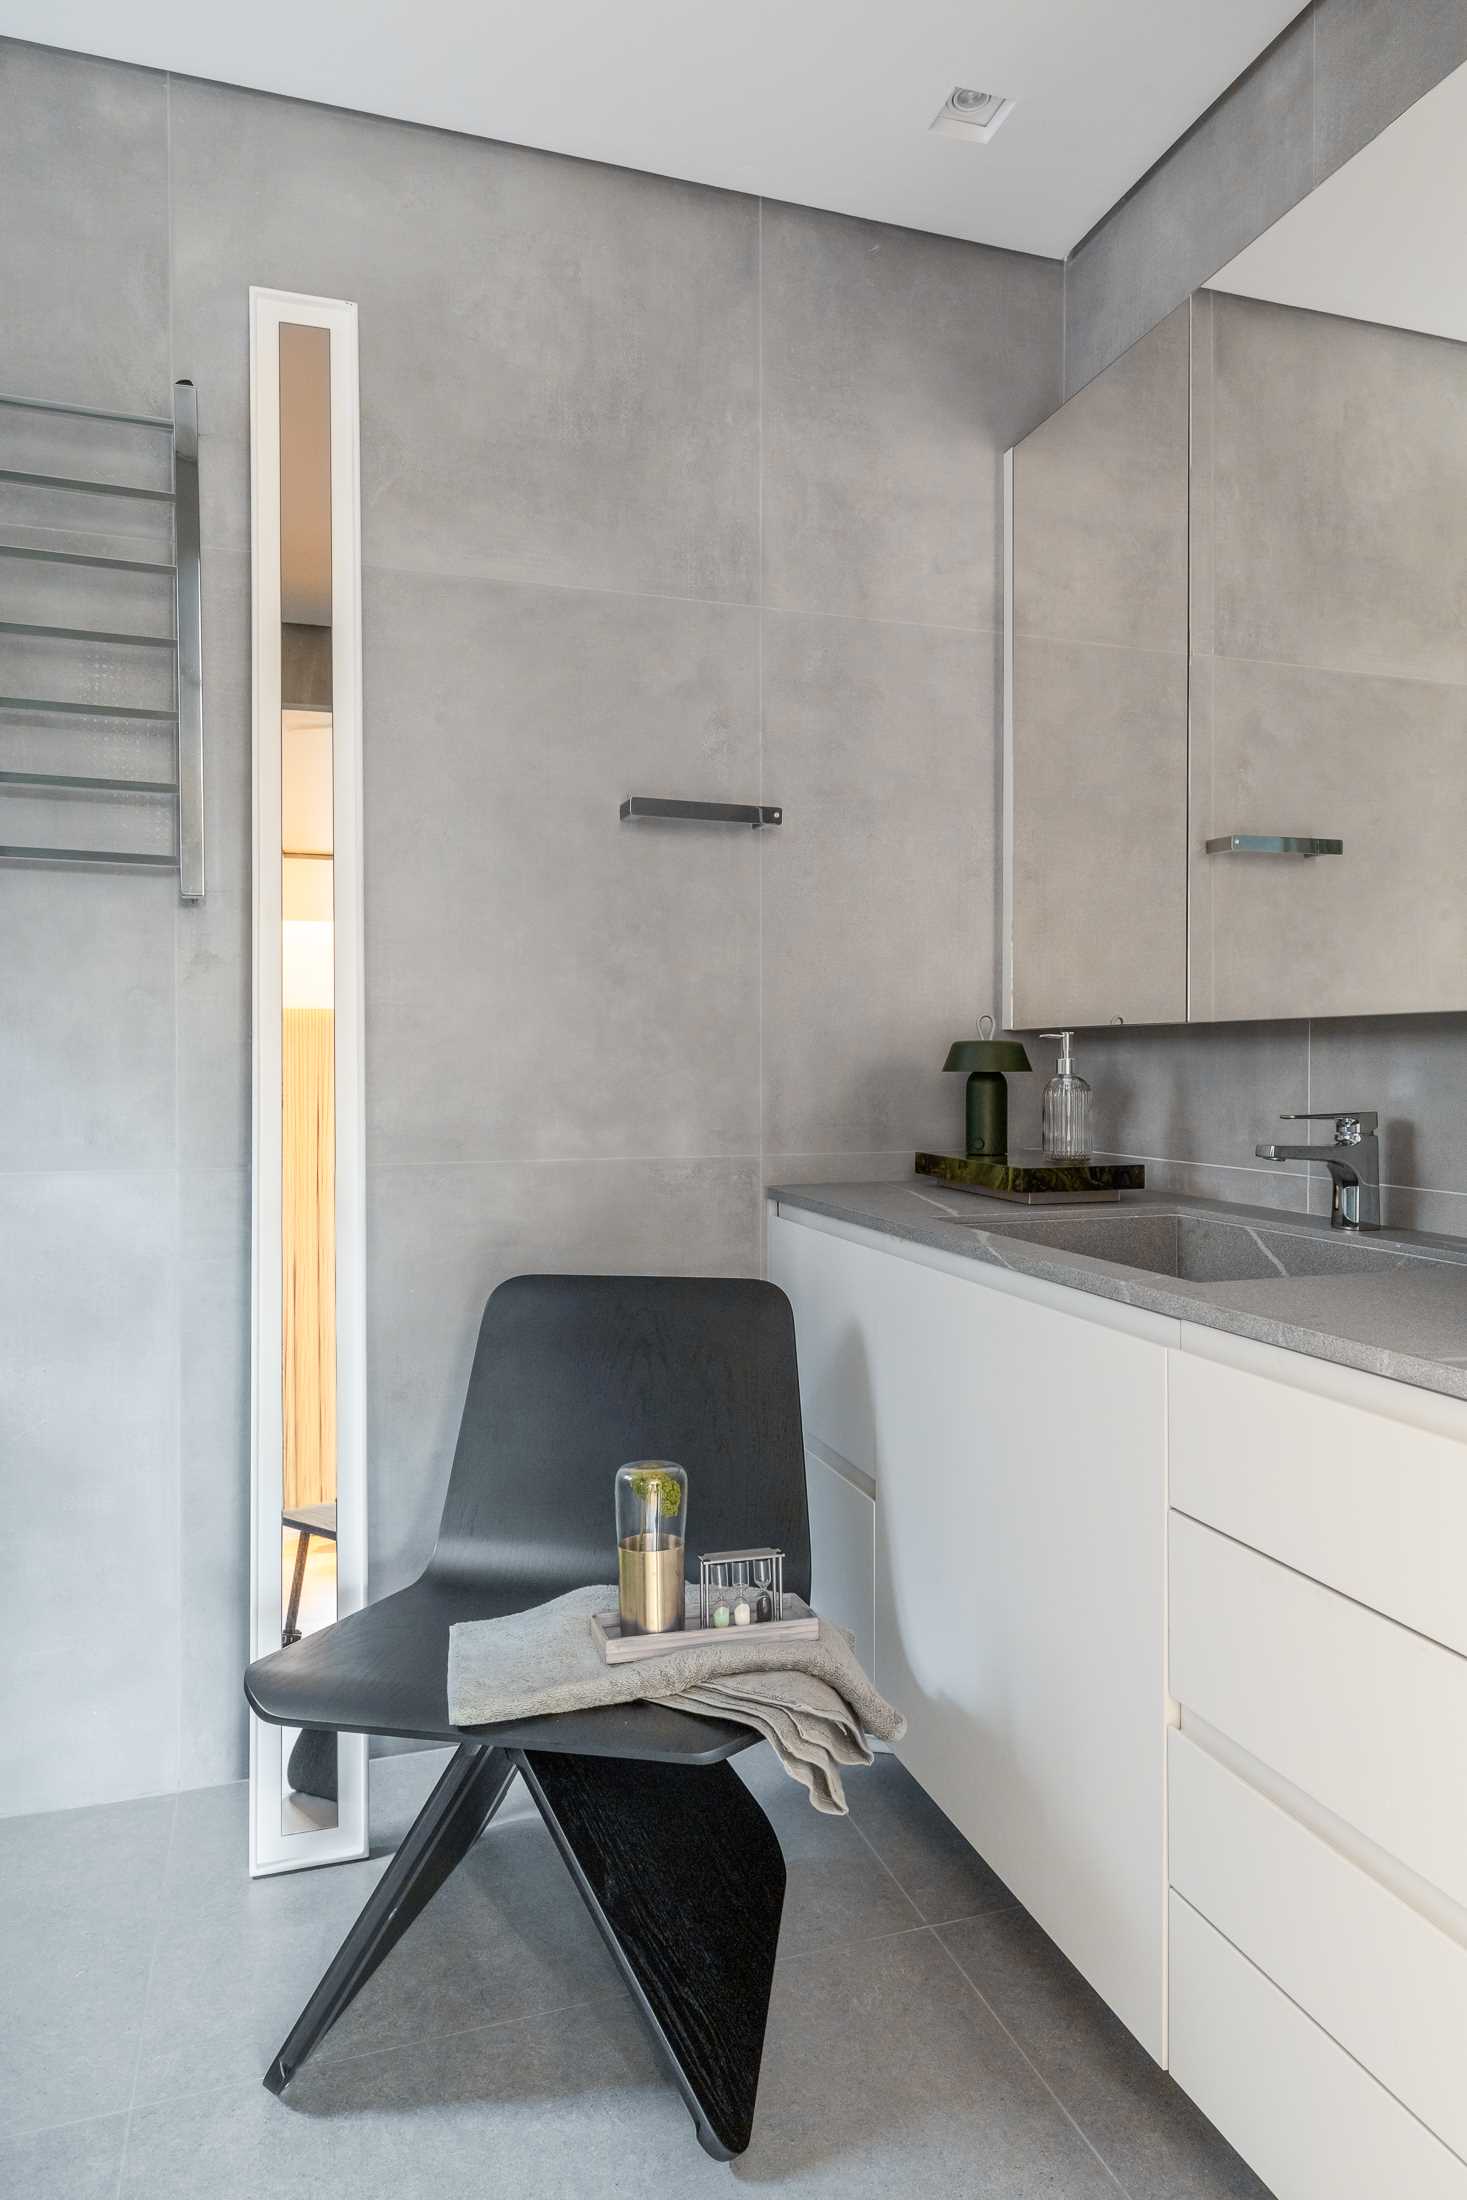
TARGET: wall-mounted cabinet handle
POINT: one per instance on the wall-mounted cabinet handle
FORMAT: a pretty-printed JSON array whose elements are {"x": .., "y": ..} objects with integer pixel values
[
  {"x": 1274, "y": 844},
  {"x": 706, "y": 813}
]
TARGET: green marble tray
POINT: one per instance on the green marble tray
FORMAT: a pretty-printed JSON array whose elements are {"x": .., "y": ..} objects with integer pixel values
[{"x": 1032, "y": 1179}]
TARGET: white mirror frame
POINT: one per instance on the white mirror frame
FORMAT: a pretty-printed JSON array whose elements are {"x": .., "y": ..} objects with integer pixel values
[{"x": 271, "y": 1848}]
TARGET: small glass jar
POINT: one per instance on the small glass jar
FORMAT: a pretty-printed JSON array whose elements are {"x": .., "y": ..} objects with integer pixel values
[{"x": 651, "y": 1545}]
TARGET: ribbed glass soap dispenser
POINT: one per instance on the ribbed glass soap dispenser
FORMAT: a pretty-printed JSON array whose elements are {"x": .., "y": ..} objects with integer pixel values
[{"x": 1066, "y": 1107}]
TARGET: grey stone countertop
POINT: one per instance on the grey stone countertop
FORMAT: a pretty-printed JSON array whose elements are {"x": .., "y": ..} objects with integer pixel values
[{"x": 1391, "y": 1302}]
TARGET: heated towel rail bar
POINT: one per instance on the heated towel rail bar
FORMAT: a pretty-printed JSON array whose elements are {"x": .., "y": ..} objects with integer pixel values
[{"x": 184, "y": 788}]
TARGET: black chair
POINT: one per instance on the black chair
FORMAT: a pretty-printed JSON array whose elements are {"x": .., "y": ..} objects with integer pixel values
[{"x": 672, "y": 1856}]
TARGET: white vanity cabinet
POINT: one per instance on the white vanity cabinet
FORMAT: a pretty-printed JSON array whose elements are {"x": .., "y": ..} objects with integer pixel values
[
  {"x": 1013, "y": 1437},
  {"x": 1179, "y": 1624},
  {"x": 1318, "y": 1784}
]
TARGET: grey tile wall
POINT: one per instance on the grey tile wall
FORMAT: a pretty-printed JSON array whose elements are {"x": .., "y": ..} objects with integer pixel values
[
  {"x": 1243, "y": 165},
  {"x": 1340, "y": 74},
  {"x": 1373, "y": 59},
  {"x": 664, "y": 491}
]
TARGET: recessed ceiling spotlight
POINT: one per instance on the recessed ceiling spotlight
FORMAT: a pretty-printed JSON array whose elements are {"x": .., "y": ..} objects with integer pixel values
[{"x": 971, "y": 115}]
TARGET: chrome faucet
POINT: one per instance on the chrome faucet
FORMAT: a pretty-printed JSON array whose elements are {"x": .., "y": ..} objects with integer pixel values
[{"x": 1353, "y": 1161}]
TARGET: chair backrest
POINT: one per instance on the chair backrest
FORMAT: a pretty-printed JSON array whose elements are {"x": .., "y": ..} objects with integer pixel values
[{"x": 575, "y": 1374}]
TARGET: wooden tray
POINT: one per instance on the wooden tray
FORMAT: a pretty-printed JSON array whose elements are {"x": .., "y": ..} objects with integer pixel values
[{"x": 619, "y": 1649}]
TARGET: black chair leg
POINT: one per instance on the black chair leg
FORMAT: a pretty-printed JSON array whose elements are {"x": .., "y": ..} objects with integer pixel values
[
  {"x": 445, "y": 1829},
  {"x": 683, "y": 1874}
]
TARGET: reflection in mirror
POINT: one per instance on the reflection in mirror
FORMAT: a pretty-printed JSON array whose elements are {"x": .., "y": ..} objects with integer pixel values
[
  {"x": 1329, "y": 682},
  {"x": 1095, "y": 719},
  {"x": 1234, "y": 783},
  {"x": 308, "y": 1110},
  {"x": 308, "y": 1783}
]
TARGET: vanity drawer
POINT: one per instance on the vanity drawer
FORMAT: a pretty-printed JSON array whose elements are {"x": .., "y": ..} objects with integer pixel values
[
  {"x": 1373, "y": 1505},
  {"x": 1382, "y": 1981},
  {"x": 1298, "y": 2109},
  {"x": 843, "y": 1552},
  {"x": 1364, "y": 1715}
]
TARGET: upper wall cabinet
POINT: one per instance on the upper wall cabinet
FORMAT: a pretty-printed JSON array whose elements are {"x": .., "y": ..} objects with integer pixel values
[
  {"x": 1329, "y": 663},
  {"x": 1236, "y": 720},
  {"x": 1095, "y": 802}
]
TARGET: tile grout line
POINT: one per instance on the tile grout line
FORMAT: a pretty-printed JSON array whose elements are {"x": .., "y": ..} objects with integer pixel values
[
  {"x": 891, "y": 1875},
  {"x": 137, "y": 2061},
  {"x": 386, "y": 569},
  {"x": 982, "y": 1999}
]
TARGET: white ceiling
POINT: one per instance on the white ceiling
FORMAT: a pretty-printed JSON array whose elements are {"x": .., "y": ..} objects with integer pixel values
[
  {"x": 825, "y": 102},
  {"x": 1384, "y": 239}
]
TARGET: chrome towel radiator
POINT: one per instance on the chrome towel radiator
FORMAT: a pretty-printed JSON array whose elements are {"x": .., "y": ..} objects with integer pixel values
[{"x": 183, "y": 713}]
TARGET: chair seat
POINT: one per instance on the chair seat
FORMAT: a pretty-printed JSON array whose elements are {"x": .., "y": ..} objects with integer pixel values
[{"x": 384, "y": 1670}]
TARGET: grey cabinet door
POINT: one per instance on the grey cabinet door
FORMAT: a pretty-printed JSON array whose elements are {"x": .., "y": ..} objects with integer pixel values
[
  {"x": 1329, "y": 663},
  {"x": 1095, "y": 749}
]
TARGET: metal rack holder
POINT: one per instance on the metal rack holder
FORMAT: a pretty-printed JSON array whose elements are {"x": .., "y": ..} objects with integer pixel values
[{"x": 186, "y": 788}]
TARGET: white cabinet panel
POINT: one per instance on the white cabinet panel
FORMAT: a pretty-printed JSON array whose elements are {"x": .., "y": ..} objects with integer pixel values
[
  {"x": 1309, "y": 2120},
  {"x": 1020, "y": 1507},
  {"x": 1362, "y": 1500},
  {"x": 1387, "y": 1985},
  {"x": 824, "y": 1278},
  {"x": 842, "y": 1554},
  {"x": 1363, "y": 1714}
]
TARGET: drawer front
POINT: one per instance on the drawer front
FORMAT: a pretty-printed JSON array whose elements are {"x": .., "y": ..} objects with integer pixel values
[
  {"x": 1370, "y": 1505},
  {"x": 1387, "y": 1986},
  {"x": 1311, "y": 2122},
  {"x": 842, "y": 1554},
  {"x": 1365, "y": 1716},
  {"x": 837, "y": 1291}
]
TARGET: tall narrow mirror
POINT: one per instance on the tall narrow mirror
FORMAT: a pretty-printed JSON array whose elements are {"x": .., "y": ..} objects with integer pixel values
[{"x": 308, "y": 1799}]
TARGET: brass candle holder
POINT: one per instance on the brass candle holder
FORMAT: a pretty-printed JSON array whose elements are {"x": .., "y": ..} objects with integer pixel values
[{"x": 651, "y": 1546}]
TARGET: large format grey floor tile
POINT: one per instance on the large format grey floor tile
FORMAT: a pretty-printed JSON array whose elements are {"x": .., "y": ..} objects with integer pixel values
[
  {"x": 884, "y": 2074},
  {"x": 80, "y": 1898},
  {"x": 506, "y": 1938},
  {"x": 882, "y": 2071},
  {"x": 1142, "y": 2125},
  {"x": 77, "y": 2161},
  {"x": 836, "y": 1890},
  {"x": 938, "y": 1871},
  {"x": 549, "y": 2106}
]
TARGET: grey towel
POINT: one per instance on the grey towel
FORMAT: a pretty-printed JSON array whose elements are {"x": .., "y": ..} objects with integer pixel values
[{"x": 810, "y": 1700}]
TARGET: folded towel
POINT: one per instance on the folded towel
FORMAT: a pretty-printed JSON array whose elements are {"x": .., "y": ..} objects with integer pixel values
[
  {"x": 810, "y": 1700},
  {"x": 811, "y": 1729}
]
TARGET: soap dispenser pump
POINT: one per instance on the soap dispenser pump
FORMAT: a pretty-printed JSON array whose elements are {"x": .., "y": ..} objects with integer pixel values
[{"x": 1066, "y": 1107}]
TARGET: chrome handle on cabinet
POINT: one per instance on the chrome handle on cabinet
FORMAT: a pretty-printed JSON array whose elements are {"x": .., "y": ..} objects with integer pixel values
[{"x": 1274, "y": 844}]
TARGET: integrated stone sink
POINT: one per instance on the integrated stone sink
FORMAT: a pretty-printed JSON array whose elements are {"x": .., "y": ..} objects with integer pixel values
[{"x": 1193, "y": 1248}]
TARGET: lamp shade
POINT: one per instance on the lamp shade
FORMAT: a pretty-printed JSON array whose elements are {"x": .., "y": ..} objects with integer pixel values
[{"x": 986, "y": 1054}]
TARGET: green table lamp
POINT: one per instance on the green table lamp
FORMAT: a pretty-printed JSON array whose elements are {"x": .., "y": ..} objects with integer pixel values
[{"x": 987, "y": 1060}]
